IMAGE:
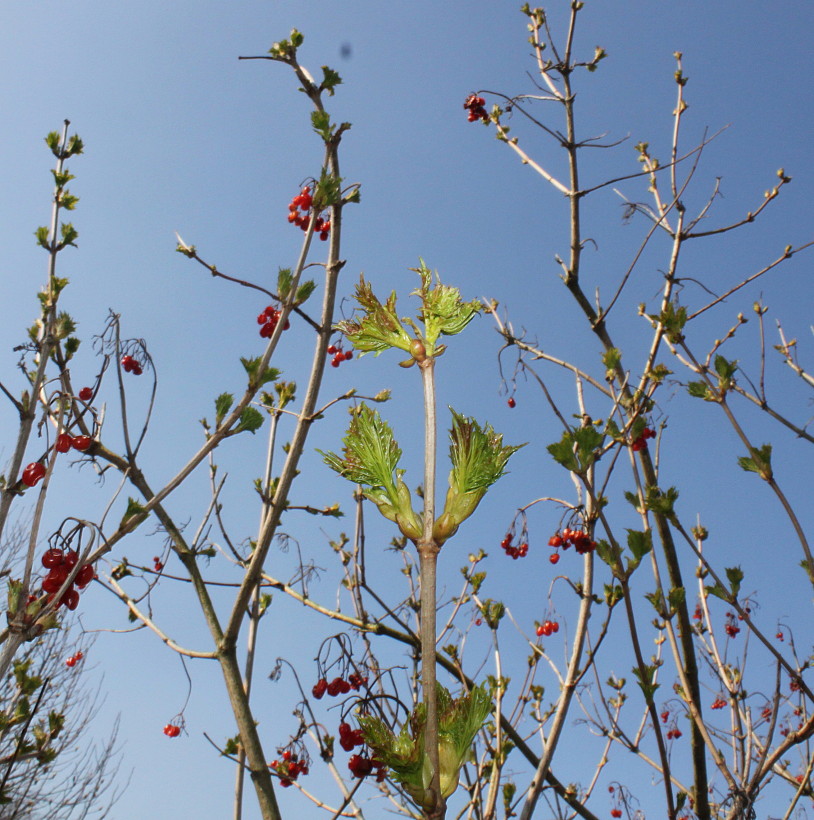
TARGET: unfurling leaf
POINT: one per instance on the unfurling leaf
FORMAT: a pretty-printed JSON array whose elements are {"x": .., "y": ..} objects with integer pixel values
[
  {"x": 251, "y": 420},
  {"x": 478, "y": 460},
  {"x": 459, "y": 720},
  {"x": 379, "y": 328},
  {"x": 370, "y": 458}
]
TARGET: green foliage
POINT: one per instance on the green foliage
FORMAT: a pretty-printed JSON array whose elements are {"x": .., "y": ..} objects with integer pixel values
[
  {"x": 443, "y": 312},
  {"x": 725, "y": 370},
  {"x": 760, "y": 462},
  {"x": 321, "y": 122},
  {"x": 379, "y": 327},
  {"x": 223, "y": 403},
  {"x": 133, "y": 508},
  {"x": 640, "y": 544},
  {"x": 285, "y": 280},
  {"x": 700, "y": 390},
  {"x": 42, "y": 237},
  {"x": 251, "y": 420},
  {"x": 611, "y": 358},
  {"x": 330, "y": 79},
  {"x": 735, "y": 577},
  {"x": 661, "y": 502},
  {"x": 69, "y": 235},
  {"x": 459, "y": 720},
  {"x": 370, "y": 458},
  {"x": 493, "y": 612},
  {"x": 672, "y": 319},
  {"x": 256, "y": 378},
  {"x": 646, "y": 678},
  {"x": 478, "y": 460},
  {"x": 577, "y": 449},
  {"x": 286, "y": 50}
]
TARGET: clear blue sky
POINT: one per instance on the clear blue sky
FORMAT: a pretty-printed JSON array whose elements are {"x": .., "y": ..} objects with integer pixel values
[{"x": 181, "y": 136}]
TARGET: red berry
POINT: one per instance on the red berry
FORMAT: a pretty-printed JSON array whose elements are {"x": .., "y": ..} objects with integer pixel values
[
  {"x": 348, "y": 355},
  {"x": 52, "y": 558},
  {"x": 55, "y": 579},
  {"x": 70, "y": 599},
  {"x": 33, "y": 473},
  {"x": 319, "y": 688},
  {"x": 616, "y": 812},
  {"x": 85, "y": 576},
  {"x": 86, "y": 394},
  {"x": 63, "y": 443},
  {"x": 81, "y": 443},
  {"x": 70, "y": 559},
  {"x": 70, "y": 662},
  {"x": 554, "y": 557},
  {"x": 511, "y": 402},
  {"x": 540, "y": 631},
  {"x": 332, "y": 350},
  {"x": 335, "y": 362},
  {"x": 334, "y": 688}
]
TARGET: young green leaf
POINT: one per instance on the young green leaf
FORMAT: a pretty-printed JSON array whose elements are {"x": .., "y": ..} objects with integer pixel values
[
  {"x": 133, "y": 508},
  {"x": 442, "y": 311},
  {"x": 735, "y": 576},
  {"x": 370, "y": 458},
  {"x": 459, "y": 720},
  {"x": 251, "y": 420},
  {"x": 379, "y": 327},
  {"x": 478, "y": 459},
  {"x": 222, "y": 405},
  {"x": 257, "y": 379},
  {"x": 760, "y": 463}
]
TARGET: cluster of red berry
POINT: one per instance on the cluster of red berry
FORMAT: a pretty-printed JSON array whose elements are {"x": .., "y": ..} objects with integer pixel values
[
  {"x": 520, "y": 551},
  {"x": 289, "y": 768},
  {"x": 268, "y": 320},
  {"x": 578, "y": 539},
  {"x": 130, "y": 365},
  {"x": 74, "y": 659},
  {"x": 303, "y": 202},
  {"x": 59, "y": 564},
  {"x": 339, "y": 355},
  {"x": 547, "y": 628},
  {"x": 65, "y": 441},
  {"x": 86, "y": 394},
  {"x": 640, "y": 443},
  {"x": 718, "y": 703},
  {"x": 475, "y": 106},
  {"x": 172, "y": 730},
  {"x": 157, "y": 564},
  {"x": 349, "y": 738},
  {"x": 616, "y": 812},
  {"x": 673, "y": 733},
  {"x": 731, "y": 627},
  {"x": 361, "y": 766},
  {"x": 339, "y": 686}
]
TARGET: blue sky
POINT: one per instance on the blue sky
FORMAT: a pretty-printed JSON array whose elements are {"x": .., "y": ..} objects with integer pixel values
[{"x": 181, "y": 136}]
